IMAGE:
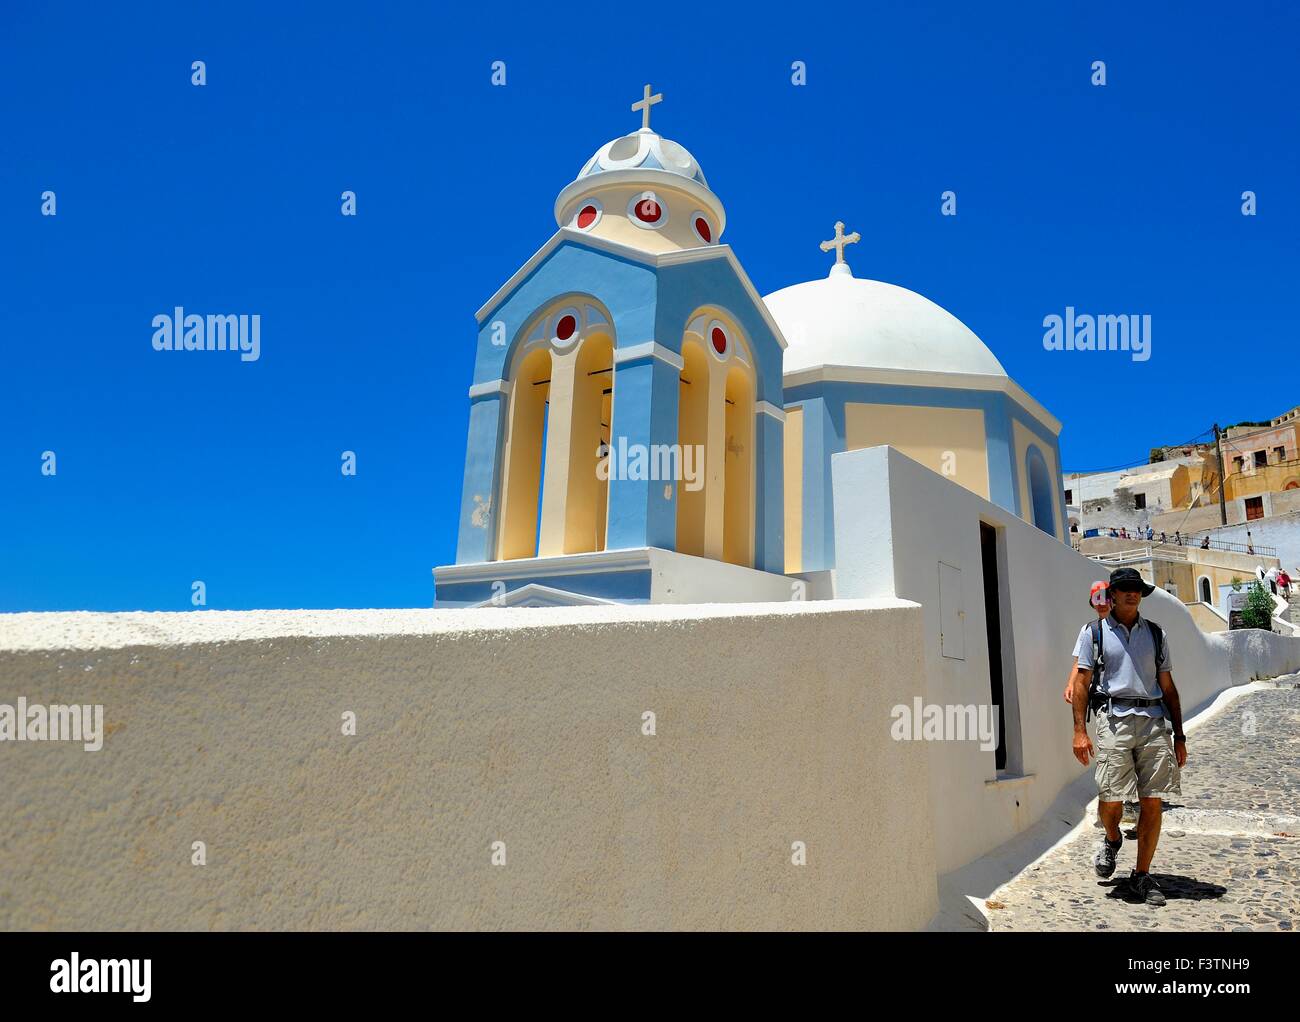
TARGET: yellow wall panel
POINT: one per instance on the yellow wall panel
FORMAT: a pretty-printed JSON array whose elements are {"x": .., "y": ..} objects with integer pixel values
[{"x": 949, "y": 441}]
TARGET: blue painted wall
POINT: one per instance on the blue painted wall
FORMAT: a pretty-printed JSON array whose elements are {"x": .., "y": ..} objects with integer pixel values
[
  {"x": 644, "y": 412},
  {"x": 487, "y": 420},
  {"x": 619, "y": 586},
  {"x": 683, "y": 288}
]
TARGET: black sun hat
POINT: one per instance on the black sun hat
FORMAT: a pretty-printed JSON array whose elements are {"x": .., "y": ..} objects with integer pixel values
[{"x": 1122, "y": 578}]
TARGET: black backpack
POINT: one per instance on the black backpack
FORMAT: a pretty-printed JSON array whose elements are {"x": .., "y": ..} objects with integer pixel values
[{"x": 1099, "y": 658}]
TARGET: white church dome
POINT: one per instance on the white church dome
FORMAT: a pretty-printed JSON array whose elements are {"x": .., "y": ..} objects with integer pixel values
[
  {"x": 644, "y": 150},
  {"x": 644, "y": 162},
  {"x": 844, "y": 321}
]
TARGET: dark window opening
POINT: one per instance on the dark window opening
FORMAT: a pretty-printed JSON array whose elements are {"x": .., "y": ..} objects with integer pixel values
[
  {"x": 1069, "y": 496},
  {"x": 1261, "y": 459},
  {"x": 1254, "y": 508},
  {"x": 1040, "y": 491},
  {"x": 993, "y": 623},
  {"x": 1140, "y": 501}
]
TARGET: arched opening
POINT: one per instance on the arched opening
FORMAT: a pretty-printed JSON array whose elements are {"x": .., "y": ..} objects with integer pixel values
[
  {"x": 1040, "y": 491},
  {"x": 554, "y": 494},
  {"x": 526, "y": 431},
  {"x": 716, "y": 438},
  {"x": 738, "y": 488},
  {"x": 1206, "y": 593},
  {"x": 588, "y": 495},
  {"x": 692, "y": 433},
  {"x": 1291, "y": 484}
]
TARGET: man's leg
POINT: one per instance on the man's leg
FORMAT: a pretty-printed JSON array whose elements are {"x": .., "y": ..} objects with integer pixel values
[
  {"x": 1116, "y": 781},
  {"x": 1157, "y": 770},
  {"x": 1157, "y": 778},
  {"x": 1148, "y": 833},
  {"x": 1106, "y": 856},
  {"x": 1109, "y": 814}
]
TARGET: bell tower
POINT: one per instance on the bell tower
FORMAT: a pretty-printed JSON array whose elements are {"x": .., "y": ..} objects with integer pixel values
[{"x": 625, "y": 411}]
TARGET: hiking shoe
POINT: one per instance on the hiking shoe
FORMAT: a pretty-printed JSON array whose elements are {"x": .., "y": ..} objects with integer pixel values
[
  {"x": 1131, "y": 811},
  {"x": 1104, "y": 861},
  {"x": 1144, "y": 887}
]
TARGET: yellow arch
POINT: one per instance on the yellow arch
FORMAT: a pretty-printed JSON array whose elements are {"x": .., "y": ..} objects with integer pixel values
[
  {"x": 587, "y": 496},
  {"x": 738, "y": 514},
  {"x": 716, "y": 412},
  {"x": 693, "y": 432},
  {"x": 561, "y": 401},
  {"x": 522, "y": 455}
]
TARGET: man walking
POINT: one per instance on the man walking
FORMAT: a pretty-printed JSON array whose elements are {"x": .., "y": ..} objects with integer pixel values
[{"x": 1137, "y": 714}]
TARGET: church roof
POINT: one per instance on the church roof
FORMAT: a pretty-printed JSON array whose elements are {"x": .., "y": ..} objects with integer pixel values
[
  {"x": 842, "y": 320},
  {"x": 699, "y": 256}
]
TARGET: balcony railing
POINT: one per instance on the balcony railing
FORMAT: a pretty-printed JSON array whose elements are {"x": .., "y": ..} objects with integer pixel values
[
  {"x": 1251, "y": 550},
  {"x": 1170, "y": 545}
]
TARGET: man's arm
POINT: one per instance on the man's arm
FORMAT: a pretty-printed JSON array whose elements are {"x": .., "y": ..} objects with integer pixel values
[
  {"x": 1069, "y": 681},
  {"x": 1082, "y": 746},
  {"x": 1170, "y": 692}
]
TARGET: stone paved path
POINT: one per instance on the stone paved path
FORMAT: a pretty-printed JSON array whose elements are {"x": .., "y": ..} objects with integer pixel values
[{"x": 1229, "y": 853}]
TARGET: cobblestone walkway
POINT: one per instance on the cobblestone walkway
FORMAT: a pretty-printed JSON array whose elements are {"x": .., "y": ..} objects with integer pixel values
[{"x": 1229, "y": 853}]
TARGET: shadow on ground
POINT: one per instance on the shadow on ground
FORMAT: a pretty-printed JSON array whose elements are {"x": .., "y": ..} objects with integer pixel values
[{"x": 1172, "y": 886}]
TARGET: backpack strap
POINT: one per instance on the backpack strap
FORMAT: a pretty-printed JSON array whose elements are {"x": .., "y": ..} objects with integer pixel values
[
  {"x": 1158, "y": 641},
  {"x": 1098, "y": 665}
]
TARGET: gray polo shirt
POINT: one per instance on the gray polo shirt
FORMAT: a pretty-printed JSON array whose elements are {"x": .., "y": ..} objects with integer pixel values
[{"x": 1131, "y": 669}]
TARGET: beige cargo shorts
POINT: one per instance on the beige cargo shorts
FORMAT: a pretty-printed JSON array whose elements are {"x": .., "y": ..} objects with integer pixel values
[{"x": 1135, "y": 758}]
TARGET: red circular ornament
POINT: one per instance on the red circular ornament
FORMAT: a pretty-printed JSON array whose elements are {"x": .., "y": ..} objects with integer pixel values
[
  {"x": 565, "y": 328},
  {"x": 648, "y": 211},
  {"x": 702, "y": 228},
  {"x": 719, "y": 339},
  {"x": 587, "y": 217}
]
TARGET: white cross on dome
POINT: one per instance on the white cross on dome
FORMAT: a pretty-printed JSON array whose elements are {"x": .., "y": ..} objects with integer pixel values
[
  {"x": 644, "y": 104},
  {"x": 839, "y": 241}
]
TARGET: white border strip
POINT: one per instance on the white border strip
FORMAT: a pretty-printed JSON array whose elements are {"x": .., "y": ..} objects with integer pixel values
[
  {"x": 594, "y": 562},
  {"x": 649, "y": 349},
  {"x": 923, "y": 378},
  {"x": 491, "y": 387}
]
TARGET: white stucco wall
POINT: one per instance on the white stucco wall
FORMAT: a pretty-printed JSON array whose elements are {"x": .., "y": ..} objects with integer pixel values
[
  {"x": 1282, "y": 533},
  {"x": 1253, "y": 654},
  {"x": 475, "y": 726},
  {"x": 919, "y": 519},
  {"x": 683, "y": 578}
]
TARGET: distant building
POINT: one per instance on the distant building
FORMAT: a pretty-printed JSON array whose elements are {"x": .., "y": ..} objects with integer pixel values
[
  {"x": 1259, "y": 460},
  {"x": 1177, "y": 494},
  {"x": 1132, "y": 498}
]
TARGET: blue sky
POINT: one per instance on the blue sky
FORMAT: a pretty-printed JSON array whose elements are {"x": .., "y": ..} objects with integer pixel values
[{"x": 225, "y": 198}]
